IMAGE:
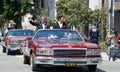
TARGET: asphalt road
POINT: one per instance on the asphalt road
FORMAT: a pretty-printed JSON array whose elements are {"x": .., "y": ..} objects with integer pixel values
[{"x": 13, "y": 63}]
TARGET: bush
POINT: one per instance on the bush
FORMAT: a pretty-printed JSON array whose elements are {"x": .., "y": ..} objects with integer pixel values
[{"x": 102, "y": 45}]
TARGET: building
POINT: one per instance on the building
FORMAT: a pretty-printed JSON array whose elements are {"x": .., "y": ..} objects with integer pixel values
[
  {"x": 46, "y": 4},
  {"x": 117, "y": 15},
  {"x": 95, "y": 4},
  {"x": 40, "y": 5}
]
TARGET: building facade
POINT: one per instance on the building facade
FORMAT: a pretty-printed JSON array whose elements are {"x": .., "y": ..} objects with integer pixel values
[
  {"x": 117, "y": 15},
  {"x": 95, "y": 4}
]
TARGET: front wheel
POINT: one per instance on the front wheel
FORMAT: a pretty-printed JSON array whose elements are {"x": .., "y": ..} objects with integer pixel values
[
  {"x": 9, "y": 52},
  {"x": 34, "y": 66},
  {"x": 92, "y": 68}
]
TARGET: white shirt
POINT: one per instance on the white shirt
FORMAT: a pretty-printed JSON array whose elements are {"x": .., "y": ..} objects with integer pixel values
[
  {"x": 43, "y": 25},
  {"x": 60, "y": 24},
  {"x": 94, "y": 29}
]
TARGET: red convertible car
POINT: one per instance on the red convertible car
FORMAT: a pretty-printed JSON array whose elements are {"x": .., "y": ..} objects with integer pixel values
[
  {"x": 58, "y": 47},
  {"x": 13, "y": 39}
]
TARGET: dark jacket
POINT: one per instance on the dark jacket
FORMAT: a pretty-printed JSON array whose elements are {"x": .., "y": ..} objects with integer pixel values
[
  {"x": 94, "y": 35},
  {"x": 56, "y": 26},
  {"x": 39, "y": 25}
]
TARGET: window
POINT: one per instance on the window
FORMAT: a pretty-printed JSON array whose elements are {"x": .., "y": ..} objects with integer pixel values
[{"x": 42, "y": 3}]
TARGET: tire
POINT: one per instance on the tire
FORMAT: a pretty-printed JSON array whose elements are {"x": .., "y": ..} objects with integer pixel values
[
  {"x": 92, "y": 68},
  {"x": 26, "y": 59},
  {"x": 9, "y": 52},
  {"x": 113, "y": 58},
  {"x": 4, "y": 49},
  {"x": 34, "y": 66}
]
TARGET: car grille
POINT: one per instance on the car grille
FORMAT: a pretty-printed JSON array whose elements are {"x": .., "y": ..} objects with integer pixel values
[
  {"x": 14, "y": 45},
  {"x": 69, "y": 52},
  {"x": 20, "y": 41}
]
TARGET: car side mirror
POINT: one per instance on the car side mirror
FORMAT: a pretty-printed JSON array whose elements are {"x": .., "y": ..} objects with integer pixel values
[{"x": 87, "y": 40}]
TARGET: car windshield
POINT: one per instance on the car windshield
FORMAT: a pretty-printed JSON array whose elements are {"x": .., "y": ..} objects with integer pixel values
[
  {"x": 57, "y": 35},
  {"x": 20, "y": 33},
  {"x": 83, "y": 35}
]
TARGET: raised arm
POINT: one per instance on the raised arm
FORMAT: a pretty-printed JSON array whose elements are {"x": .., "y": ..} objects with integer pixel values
[{"x": 33, "y": 23}]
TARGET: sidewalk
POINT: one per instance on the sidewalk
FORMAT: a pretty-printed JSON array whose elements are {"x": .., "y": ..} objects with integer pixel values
[{"x": 105, "y": 57}]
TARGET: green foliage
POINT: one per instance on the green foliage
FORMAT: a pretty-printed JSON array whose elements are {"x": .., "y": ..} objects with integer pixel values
[
  {"x": 100, "y": 17},
  {"x": 13, "y": 10},
  {"x": 1, "y": 6},
  {"x": 42, "y": 13},
  {"x": 45, "y": 13},
  {"x": 102, "y": 45},
  {"x": 77, "y": 13},
  {"x": 26, "y": 6}
]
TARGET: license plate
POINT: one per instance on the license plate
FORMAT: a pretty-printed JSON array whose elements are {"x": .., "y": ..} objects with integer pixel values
[{"x": 70, "y": 64}]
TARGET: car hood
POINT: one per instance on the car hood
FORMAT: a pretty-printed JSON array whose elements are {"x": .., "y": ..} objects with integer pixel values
[{"x": 65, "y": 43}]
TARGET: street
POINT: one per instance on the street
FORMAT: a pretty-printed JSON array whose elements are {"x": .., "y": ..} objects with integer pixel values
[{"x": 13, "y": 63}]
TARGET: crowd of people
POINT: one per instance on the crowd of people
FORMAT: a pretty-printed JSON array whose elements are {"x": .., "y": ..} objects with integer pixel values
[{"x": 113, "y": 45}]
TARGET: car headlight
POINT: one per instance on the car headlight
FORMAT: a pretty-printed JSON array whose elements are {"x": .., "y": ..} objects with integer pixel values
[
  {"x": 97, "y": 51},
  {"x": 44, "y": 51},
  {"x": 93, "y": 52},
  {"x": 90, "y": 52}
]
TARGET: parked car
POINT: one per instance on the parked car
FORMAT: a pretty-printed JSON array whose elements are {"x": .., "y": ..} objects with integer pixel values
[
  {"x": 12, "y": 40},
  {"x": 58, "y": 47}
]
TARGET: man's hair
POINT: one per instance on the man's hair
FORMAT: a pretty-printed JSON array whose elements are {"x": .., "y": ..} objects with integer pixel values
[
  {"x": 43, "y": 16},
  {"x": 60, "y": 16}
]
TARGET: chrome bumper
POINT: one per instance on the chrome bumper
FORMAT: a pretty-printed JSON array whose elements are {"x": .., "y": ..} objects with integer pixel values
[
  {"x": 64, "y": 61},
  {"x": 13, "y": 48}
]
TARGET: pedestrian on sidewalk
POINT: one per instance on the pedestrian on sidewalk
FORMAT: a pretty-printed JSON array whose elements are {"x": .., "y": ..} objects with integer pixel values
[
  {"x": 115, "y": 48},
  {"x": 94, "y": 33},
  {"x": 114, "y": 32}
]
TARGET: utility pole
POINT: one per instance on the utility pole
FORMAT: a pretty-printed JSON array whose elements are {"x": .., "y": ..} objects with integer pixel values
[{"x": 110, "y": 16}]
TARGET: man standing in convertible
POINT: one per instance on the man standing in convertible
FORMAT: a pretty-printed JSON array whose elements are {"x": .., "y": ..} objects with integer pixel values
[
  {"x": 60, "y": 24},
  {"x": 42, "y": 24}
]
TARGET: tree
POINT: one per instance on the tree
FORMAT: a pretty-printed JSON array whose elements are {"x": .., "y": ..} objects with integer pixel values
[
  {"x": 45, "y": 13},
  {"x": 13, "y": 10},
  {"x": 78, "y": 14},
  {"x": 26, "y": 6},
  {"x": 75, "y": 12},
  {"x": 1, "y": 12},
  {"x": 1, "y": 6}
]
